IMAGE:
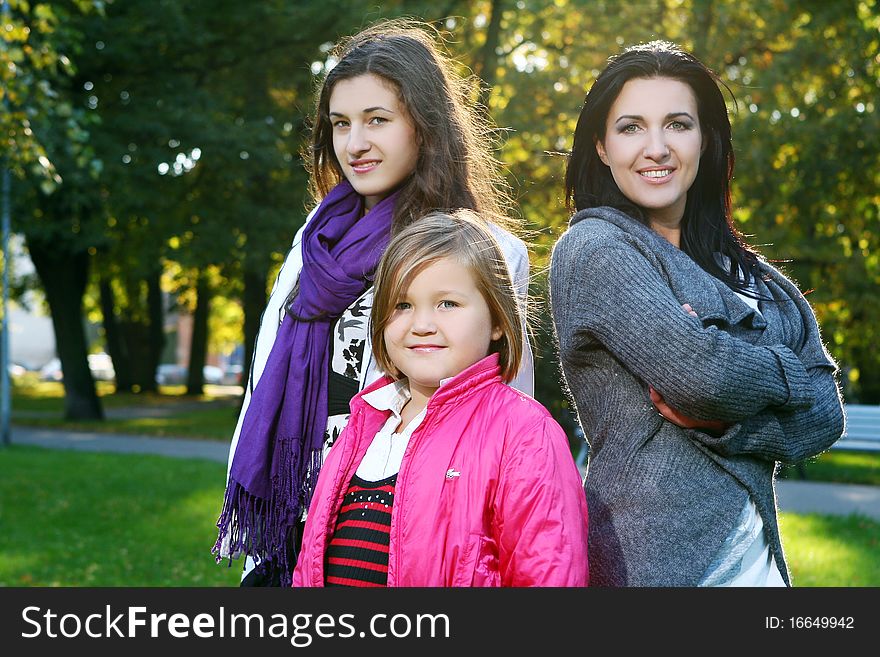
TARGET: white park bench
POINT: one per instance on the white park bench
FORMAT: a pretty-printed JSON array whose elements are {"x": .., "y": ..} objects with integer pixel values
[{"x": 862, "y": 429}]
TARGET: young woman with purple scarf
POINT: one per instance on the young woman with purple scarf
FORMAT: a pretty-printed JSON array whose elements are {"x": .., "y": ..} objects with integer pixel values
[{"x": 394, "y": 137}]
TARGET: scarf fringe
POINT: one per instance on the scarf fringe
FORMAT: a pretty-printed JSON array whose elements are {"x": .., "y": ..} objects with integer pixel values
[{"x": 264, "y": 529}]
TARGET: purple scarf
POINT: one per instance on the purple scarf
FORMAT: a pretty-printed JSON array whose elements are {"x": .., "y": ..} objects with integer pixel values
[{"x": 280, "y": 446}]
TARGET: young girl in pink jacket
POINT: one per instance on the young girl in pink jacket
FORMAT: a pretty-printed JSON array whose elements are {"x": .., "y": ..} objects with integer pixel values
[{"x": 445, "y": 475}]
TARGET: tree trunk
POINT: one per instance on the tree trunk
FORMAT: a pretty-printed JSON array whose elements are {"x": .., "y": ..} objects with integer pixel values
[
  {"x": 136, "y": 335},
  {"x": 157, "y": 329},
  {"x": 116, "y": 346},
  {"x": 64, "y": 276},
  {"x": 135, "y": 339},
  {"x": 195, "y": 378},
  {"x": 254, "y": 304}
]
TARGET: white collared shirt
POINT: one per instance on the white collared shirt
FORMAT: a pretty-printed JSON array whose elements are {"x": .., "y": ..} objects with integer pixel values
[{"x": 385, "y": 453}]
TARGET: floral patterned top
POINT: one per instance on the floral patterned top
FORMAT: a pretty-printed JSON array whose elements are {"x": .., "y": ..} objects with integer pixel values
[{"x": 349, "y": 335}]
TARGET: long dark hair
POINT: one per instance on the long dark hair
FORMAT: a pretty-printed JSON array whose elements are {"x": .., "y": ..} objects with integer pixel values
[
  {"x": 455, "y": 167},
  {"x": 707, "y": 226}
]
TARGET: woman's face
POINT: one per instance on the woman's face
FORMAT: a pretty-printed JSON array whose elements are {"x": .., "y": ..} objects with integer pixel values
[
  {"x": 652, "y": 145},
  {"x": 373, "y": 137}
]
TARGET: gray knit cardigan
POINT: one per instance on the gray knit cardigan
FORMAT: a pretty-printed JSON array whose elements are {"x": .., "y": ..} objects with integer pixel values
[{"x": 661, "y": 498}]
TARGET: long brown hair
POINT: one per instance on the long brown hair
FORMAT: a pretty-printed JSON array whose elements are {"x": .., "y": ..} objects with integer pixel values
[{"x": 455, "y": 167}]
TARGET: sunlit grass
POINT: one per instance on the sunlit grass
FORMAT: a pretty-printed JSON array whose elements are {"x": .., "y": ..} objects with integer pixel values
[
  {"x": 28, "y": 389},
  {"x": 29, "y": 394},
  {"x": 81, "y": 519},
  {"x": 170, "y": 413},
  {"x": 831, "y": 550},
  {"x": 208, "y": 423},
  {"x": 841, "y": 466}
]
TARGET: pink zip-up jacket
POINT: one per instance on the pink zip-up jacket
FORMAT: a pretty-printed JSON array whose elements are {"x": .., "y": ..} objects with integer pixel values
[{"x": 487, "y": 494}]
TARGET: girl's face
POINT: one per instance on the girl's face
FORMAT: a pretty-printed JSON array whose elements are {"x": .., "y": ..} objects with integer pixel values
[
  {"x": 440, "y": 326},
  {"x": 652, "y": 145},
  {"x": 373, "y": 137}
]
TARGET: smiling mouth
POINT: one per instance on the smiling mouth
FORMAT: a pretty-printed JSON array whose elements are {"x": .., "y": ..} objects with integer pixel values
[
  {"x": 426, "y": 348},
  {"x": 655, "y": 173},
  {"x": 364, "y": 166}
]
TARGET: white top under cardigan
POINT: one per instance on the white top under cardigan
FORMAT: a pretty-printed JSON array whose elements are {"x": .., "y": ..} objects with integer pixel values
[
  {"x": 515, "y": 253},
  {"x": 745, "y": 558}
]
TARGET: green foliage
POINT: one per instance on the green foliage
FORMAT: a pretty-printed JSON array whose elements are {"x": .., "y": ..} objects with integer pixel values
[
  {"x": 46, "y": 141},
  {"x": 177, "y": 129},
  {"x": 804, "y": 77},
  {"x": 36, "y": 46}
]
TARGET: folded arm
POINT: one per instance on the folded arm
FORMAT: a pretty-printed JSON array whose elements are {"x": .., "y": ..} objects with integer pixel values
[
  {"x": 787, "y": 435},
  {"x": 615, "y": 296}
]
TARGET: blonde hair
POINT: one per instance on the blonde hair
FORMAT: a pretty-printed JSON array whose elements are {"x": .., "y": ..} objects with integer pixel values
[{"x": 464, "y": 237}]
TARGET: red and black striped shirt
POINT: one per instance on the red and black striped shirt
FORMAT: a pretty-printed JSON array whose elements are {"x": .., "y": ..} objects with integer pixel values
[{"x": 358, "y": 552}]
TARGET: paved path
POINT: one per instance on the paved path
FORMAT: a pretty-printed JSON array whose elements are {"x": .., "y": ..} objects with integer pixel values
[
  {"x": 823, "y": 497},
  {"x": 795, "y": 496},
  {"x": 93, "y": 441}
]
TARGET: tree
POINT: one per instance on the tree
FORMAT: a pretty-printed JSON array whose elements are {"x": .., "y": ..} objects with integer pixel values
[
  {"x": 47, "y": 146},
  {"x": 202, "y": 125}
]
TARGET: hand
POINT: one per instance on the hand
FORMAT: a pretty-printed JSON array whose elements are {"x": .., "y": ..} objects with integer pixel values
[
  {"x": 684, "y": 421},
  {"x": 678, "y": 418}
]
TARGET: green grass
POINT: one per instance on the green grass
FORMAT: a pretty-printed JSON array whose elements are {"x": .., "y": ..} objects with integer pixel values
[
  {"x": 171, "y": 413},
  {"x": 842, "y": 467},
  {"x": 31, "y": 395},
  {"x": 81, "y": 519},
  {"x": 214, "y": 414},
  {"x": 831, "y": 550}
]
